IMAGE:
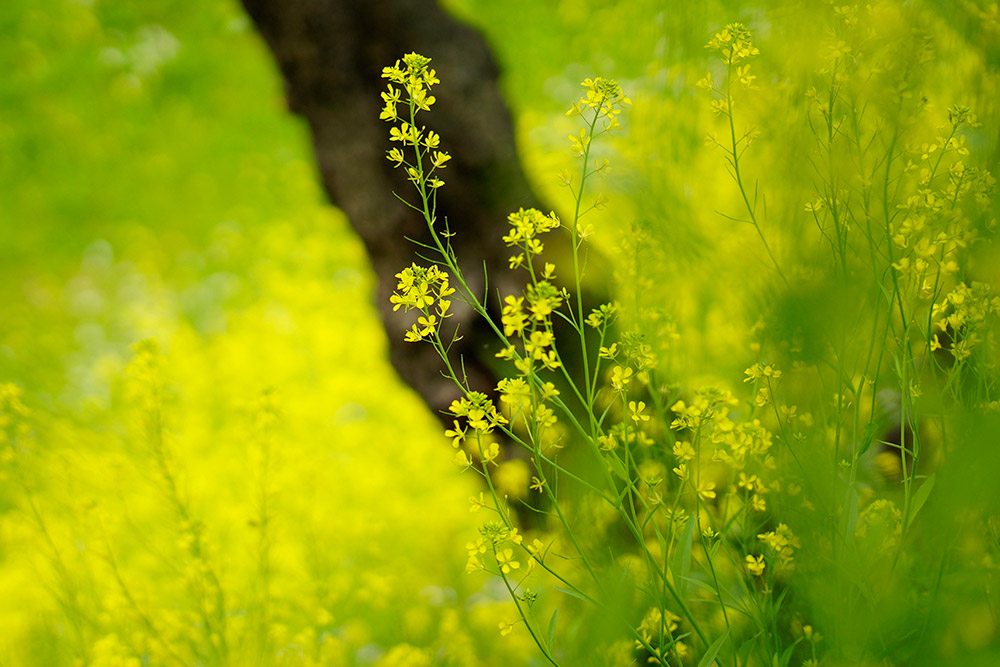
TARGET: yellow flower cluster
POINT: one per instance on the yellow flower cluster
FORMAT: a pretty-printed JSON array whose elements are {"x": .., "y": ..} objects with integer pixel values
[
  {"x": 531, "y": 323},
  {"x": 526, "y": 226},
  {"x": 961, "y": 316},
  {"x": 424, "y": 289},
  {"x": 762, "y": 375},
  {"x": 414, "y": 78},
  {"x": 707, "y": 404},
  {"x": 743, "y": 446},
  {"x": 657, "y": 631},
  {"x": 733, "y": 43},
  {"x": 880, "y": 526},
  {"x": 782, "y": 543},
  {"x": 501, "y": 540},
  {"x": 606, "y": 97},
  {"x": 935, "y": 227},
  {"x": 755, "y": 565},
  {"x": 479, "y": 412}
]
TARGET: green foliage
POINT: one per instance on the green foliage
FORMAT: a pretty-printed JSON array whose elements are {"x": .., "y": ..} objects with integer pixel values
[
  {"x": 236, "y": 489},
  {"x": 782, "y": 452},
  {"x": 797, "y": 519}
]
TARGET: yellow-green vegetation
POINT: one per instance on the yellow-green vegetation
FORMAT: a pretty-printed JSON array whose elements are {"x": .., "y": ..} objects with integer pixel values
[
  {"x": 812, "y": 509},
  {"x": 201, "y": 452},
  {"x": 775, "y": 447}
]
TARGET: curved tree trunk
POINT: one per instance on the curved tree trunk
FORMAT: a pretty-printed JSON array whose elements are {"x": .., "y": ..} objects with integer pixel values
[{"x": 331, "y": 54}]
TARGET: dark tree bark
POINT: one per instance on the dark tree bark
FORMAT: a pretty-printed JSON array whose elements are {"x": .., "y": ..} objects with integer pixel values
[{"x": 331, "y": 54}]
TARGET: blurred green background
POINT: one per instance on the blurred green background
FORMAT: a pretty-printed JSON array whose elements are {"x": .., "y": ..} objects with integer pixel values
[{"x": 153, "y": 184}]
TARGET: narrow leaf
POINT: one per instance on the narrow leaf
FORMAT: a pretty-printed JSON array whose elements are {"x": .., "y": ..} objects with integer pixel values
[
  {"x": 787, "y": 655},
  {"x": 618, "y": 467},
  {"x": 867, "y": 437},
  {"x": 713, "y": 650},
  {"x": 574, "y": 594},
  {"x": 919, "y": 498},
  {"x": 552, "y": 630},
  {"x": 682, "y": 557}
]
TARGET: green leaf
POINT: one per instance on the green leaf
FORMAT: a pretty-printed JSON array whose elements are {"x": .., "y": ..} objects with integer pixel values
[
  {"x": 702, "y": 585},
  {"x": 572, "y": 593},
  {"x": 618, "y": 467},
  {"x": 745, "y": 648},
  {"x": 682, "y": 557},
  {"x": 919, "y": 498},
  {"x": 787, "y": 655},
  {"x": 552, "y": 631},
  {"x": 713, "y": 650},
  {"x": 867, "y": 437}
]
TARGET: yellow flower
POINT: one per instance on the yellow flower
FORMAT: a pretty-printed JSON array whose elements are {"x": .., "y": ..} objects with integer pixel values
[
  {"x": 780, "y": 540},
  {"x": 514, "y": 391},
  {"x": 393, "y": 94},
  {"x": 758, "y": 371},
  {"x": 579, "y": 143},
  {"x": 461, "y": 459},
  {"x": 744, "y": 76},
  {"x": 635, "y": 411},
  {"x": 763, "y": 397},
  {"x": 755, "y": 565},
  {"x": 490, "y": 453},
  {"x": 507, "y": 353},
  {"x": 477, "y": 547},
  {"x": 395, "y": 155},
  {"x": 476, "y": 503},
  {"x": 456, "y": 434},
  {"x": 537, "y": 342},
  {"x": 749, "y": 483},
  {"x": 513, "y": 317},
  {"x": 439, "y": 158},
  {"x": 620, "y": 377},
  {"x": 505, "y": 559},
  {"x": 720, "y": 107},
  {"x": 389, "y": 112},
  {"x": 432, "y": 140},
  {"x": 413, "y": 335},
  {"x": 683, "y": 451},
  {"x": 545, "y": 417}
]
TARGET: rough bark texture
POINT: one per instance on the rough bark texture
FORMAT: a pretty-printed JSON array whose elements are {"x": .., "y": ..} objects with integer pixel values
[{"x": 331, "y": 54}]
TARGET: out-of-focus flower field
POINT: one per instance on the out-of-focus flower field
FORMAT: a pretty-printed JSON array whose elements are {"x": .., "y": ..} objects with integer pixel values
[
  {"x": 256, "y": 484},
  {"x": 206, "y": 459}
]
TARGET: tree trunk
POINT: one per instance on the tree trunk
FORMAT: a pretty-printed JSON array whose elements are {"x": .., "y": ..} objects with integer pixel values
[{"x": 331, "y": 54}]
